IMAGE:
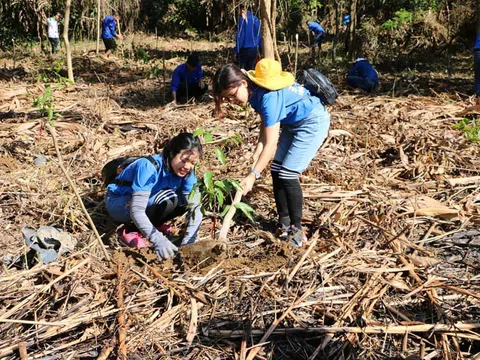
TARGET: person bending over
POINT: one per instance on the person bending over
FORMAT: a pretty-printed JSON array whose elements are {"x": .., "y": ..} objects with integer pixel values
[
  {"x": 187, "y": 81},
  {"x": 362, "y": 75},
  {"x": 293, "y": 126},
  {"x": 109, "y": 33}
]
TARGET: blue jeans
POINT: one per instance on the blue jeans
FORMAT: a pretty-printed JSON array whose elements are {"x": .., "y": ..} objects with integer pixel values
[
  {"x": 246, "y": 58},
  {"x": 300, "y": 141},
  {"x": 476, "y": 59},
  {"x": 359, "y": 82}
]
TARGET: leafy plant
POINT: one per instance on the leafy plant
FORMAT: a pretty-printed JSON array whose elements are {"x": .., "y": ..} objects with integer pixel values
[
  {"x": 154, "y": 72},
  {"x": 53, "y": 74},
  {"x": 214, "y": 194},
  {"x": 401, "y": 18},
  {"x": 46, "y": 106},
  {"x": 470, "y": 128},
  {"x": 141, "y": 54}
]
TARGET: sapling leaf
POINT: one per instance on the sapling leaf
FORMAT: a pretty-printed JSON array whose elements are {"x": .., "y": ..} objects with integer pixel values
[
  {"x": 220, "y": 197},
  {"x": 246, "y": 209},
  {"x": 208, "y": 181},
  {"x": 220, "y": 156},
  {"x": 225, "y": 210},
  {"x": 236, "y": 184},
  {"x": 199, "y": 132},
  {"x": 208, "y": 137},
  {"x": 221, "y": 185}
]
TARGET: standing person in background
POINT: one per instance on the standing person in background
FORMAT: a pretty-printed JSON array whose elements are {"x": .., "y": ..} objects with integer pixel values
[
  {"x": 476, "y": 60},
  {"x": 109, "y": 33},
  {"x": 362, "y": 75},
  {"x": 249, "y": 39},
  {"x": 318, "y": 33},
  {"x": 187, "y": 80},
  {"x": 52, "y": 31}
]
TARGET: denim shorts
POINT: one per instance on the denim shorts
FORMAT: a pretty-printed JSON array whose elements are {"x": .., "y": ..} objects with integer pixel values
[{"x": 299, "y": 142}]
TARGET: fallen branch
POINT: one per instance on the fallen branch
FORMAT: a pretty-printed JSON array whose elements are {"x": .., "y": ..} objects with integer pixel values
[
  {"x": 437, "y": 328},
  {"x": 72, "y": 185},
  {"x": 122, "y": 328}
]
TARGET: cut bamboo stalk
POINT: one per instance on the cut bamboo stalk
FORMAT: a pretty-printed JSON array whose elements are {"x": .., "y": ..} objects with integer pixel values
[
  {"x": 79, "y": 198},
  {"x": 304, "y": 257},
  {"x": 400, "y": 329},
  {"x": 22, "y": 349},
  {"x": 122, "y": 328},
  {"x": 254, "y": 351},
  {"x": 227, "y": 221},
  {"x": 106, "y": 351},
  {"x": 192, "y": 330}
]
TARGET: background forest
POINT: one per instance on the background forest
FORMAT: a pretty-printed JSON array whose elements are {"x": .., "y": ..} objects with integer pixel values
[{"x": 399, "y": 32}]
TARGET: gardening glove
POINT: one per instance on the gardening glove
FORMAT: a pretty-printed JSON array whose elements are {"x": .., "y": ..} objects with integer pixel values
[{"x": 162, "y": 246}]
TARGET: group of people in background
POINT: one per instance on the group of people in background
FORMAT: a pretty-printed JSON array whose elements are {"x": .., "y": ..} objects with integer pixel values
[{"x": 293, "y": 125}]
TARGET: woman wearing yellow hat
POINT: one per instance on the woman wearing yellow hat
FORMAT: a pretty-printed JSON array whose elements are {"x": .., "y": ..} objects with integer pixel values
[{"x": 304, "y": 121}]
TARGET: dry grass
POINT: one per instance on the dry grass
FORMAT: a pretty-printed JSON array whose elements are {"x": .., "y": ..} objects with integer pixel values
[{"x": 391, "y": 270}]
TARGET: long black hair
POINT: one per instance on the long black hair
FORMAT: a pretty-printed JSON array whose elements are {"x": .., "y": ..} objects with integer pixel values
[
  {"x": 183, "y": 141},
  {"x": 227, "y": 77}
]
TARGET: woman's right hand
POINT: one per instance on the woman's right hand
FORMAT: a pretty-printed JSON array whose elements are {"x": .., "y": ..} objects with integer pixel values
[{"x": 163, "y": 247}]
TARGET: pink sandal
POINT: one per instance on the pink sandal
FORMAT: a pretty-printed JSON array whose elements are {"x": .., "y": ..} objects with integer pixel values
[{"x": 133, "y": 239}]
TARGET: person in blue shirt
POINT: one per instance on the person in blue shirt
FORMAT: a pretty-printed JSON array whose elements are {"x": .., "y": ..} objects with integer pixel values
[
  {"x": 476, "y": 59},
  {"x": 248, "y": 39},
  {"x": 109, "y": 33},
  {"x": 318, "y": 33},
  {"x": 362, "y": 75},
  {"x": 149, "y": 195},
  {"x": 304, "y": 122},
  {"x": 187, "y": 80}
]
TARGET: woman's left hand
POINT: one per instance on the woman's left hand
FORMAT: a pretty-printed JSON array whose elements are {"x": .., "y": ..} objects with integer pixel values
[{"x": 247, "y": 183}]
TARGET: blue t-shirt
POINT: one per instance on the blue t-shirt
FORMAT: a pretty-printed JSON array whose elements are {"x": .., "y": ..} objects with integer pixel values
[
  {"x": 316, "y": 28},
  {"x": 249, "y": 33},
  {"x": 286, "y": 106},
  {"x": 145, "y": 177},
  {"x": 477, "y": 43},
  {"x": 108, "y": 27},
  {"x": 364, "y": 69},
  {"x": 181, "y": 76}
]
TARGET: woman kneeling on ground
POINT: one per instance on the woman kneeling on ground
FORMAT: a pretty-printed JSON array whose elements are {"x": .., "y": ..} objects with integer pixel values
[
  {"x": 150, "y": 194},
  {"x": 304, "y": 121}
]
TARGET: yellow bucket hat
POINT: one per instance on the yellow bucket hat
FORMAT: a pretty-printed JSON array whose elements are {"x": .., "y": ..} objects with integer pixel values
[{"x": 269, "y": 75}]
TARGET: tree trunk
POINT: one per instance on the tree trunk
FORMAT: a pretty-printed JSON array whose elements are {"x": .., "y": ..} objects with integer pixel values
[
  {"x": 273, "y": 23},
  {"x": 98, "y": 25},
  {"x": 337, "y": 27},
  {"x": 265, "y": 14},
  {"x": 353, "y": 25},
  {"x": 478, "y": 16},
  {"x": 67, "y": 42}
]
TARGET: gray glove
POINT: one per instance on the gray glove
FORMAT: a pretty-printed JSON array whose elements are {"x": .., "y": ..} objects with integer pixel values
[{"x": 163, "y": 247}]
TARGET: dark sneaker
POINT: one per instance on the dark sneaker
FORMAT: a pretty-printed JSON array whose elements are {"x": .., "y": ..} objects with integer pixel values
[
  {"x": 296, "y": 236},
  {"x": 282, "y": 232}
]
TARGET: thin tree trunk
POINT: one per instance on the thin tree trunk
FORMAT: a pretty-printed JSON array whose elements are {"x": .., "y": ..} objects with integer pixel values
[
  {"x": 98, "y": 25},
  {"x": 273, "y": 29},
  {"x": 353, "y": 25},
  {"x": 265, "y": 13},
  {"x": 337, "y": 31},
  {"x": 67, "y": 42}
]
